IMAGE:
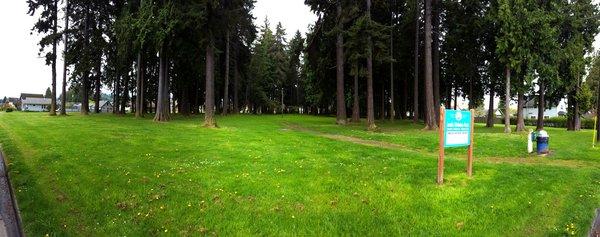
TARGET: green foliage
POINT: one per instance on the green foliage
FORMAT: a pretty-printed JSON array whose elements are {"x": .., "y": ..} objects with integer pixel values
[
  {"x": 274, "y": 67},
  {"x": 541, "y": 41},
  {"x": 584, "y": 98},
  {"x": 46, "y": 25},
  {"x": 48, "y": 93},
  {"x": 557, "y": 122},
  {"x": 593, "y": 79},
  {"x": 465, "y": 57}
]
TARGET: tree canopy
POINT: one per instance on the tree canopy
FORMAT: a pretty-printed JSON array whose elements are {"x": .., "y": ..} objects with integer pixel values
[{"x": 206, "y": 56}]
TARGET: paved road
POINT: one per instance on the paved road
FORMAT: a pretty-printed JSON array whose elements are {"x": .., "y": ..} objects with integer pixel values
[
  {"x": 595, "y": 232},
  {"x": 2, "y": 229},
  {"x": 9, "y": 225}
]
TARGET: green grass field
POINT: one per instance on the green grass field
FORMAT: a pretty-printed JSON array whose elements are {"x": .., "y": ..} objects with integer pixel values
[{"x": 289, "y": 175}]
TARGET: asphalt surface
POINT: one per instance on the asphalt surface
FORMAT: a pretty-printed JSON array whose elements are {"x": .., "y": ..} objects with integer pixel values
[
  {"x": 595, "y": 232},
  {"x": 9, "y": 222}
]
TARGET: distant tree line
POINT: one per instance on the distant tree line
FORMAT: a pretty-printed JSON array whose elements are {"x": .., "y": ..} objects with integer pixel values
[{"x": 397, "y": 59}]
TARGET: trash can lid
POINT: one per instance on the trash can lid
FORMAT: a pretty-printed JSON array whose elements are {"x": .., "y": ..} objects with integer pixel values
[{"x": 543, "y": 133}]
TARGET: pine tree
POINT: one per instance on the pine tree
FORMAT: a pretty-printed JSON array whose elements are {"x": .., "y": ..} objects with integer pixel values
[
  {"x": 47, "y": 25},
  {"x": 430, "y": 121}
]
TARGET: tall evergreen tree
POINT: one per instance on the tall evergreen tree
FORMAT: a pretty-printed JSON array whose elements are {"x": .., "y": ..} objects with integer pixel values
[
  {"x": 63, "y": 99},
  {"x": 430, "y": 121},
  {"x": 340, "y": 73},
  {"x": 47, "y": 25},
  {"x": 416, "y": 60}
]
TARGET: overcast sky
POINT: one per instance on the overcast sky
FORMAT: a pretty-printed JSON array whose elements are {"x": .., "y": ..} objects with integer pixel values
[{"x": 21, "y": 69}]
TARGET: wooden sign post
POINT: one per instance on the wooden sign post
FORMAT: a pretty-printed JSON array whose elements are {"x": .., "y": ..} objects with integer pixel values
[{"x": 455, "y": 130}]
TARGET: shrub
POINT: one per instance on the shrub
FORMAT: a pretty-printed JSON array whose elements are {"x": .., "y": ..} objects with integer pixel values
[
  {"x": 556, "y": 122},
  {"x": 7, "y": 106}
]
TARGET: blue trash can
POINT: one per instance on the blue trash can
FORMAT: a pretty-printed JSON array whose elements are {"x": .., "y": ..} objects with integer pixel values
[{"x": 542, "y": 142}]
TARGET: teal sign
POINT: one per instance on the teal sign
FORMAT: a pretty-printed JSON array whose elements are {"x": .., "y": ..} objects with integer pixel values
[{"x": 457, "y": 128}]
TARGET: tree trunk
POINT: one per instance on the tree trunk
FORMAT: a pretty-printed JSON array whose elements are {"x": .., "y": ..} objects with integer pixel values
[
  {"x": 97, "y": 86},
  {"x": 162, "y": 101},
  {"x": 491, "y": 116},
  {"x": 226, "y": 87},
  {"x": 416, "y": 68},
  {"x": 471, "y": 94},
  {"x": 173, "y": 105},
  {"x": 63, "y": 99},
  {"x": 541, "y": 105},
  {"x": 455, "y": 97},
  {"x": 125, "y": 97},
  {"x": 132, "y": 100},
  {"x": 382, "y": 111},
  {"x": 140, "y": 109},
  {"x": 339, "y": 53},
  {"x": 520, "y": 105},
  {"x": 370, "y": 105},
  {"x": 54, "y": 51},
  {"x": 577, "y": 117},
  {"x": 248, "y": 108},
  {"x": 209, "y": 101},
  {"x": 356, "y": 106},
  {"x": 436, "y": 57},
  {"x": 85, "y": 100},
  {"x": 598, "y": 114},
  {"x": 570, "y": 109},
  {"x": 139, "y": 99},
  {"x": 85, "y": 104},
  {"x": 448, "y": 96},
  {"x": 577, "y": 112},
  {"x": 236, "y": 84},
  {"x": 116, "y": 92},
  {"x": 404, "y": 96},
  {"x": 392, "y": 110},
  {"x": 282, "y": 102},
  {"x": 431, "y": 124},
  {"x": 507, "y": 102}
]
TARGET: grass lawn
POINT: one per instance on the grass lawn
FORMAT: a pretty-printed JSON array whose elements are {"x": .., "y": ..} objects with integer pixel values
[{"x": 289, "y": 175}]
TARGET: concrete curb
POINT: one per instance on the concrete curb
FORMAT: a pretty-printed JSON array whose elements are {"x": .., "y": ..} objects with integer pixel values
[{"x": 10, "y": 219}]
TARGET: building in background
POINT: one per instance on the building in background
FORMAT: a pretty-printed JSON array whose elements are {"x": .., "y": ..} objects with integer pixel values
[
  {"x": 530, "y": 111},
  {"x": 34, "y": 104}
]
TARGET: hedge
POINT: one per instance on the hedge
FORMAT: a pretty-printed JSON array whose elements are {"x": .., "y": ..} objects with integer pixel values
[{"x": 557, "y": 122}]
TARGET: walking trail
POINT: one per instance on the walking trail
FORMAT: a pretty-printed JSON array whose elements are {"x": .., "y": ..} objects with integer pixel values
[{"x": 488, "y": 160}]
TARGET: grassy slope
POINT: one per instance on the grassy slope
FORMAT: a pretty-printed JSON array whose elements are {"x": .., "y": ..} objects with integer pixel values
[{"x": 103, "y": 175}]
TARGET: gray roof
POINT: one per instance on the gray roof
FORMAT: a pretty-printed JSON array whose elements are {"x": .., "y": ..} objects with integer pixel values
[
  {"x": 30, "y": 95},
  {"x": 36, "y": 101},
  {"x": 105, "y": 103}
]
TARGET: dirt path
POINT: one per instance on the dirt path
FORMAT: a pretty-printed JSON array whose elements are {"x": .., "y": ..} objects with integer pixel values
[
  {"x": 9, "y": 220},
  {"x": 488, "y": 160}
]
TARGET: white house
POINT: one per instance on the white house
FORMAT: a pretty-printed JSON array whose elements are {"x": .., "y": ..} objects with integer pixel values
[
  {"x": 530, "y": 110},
  {"x": 35, "y": 104},
  {"x": 105, "y": 106}
]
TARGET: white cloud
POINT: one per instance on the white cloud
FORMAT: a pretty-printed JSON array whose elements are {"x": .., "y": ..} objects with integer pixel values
[
  {"x": 21, "y": 69},
  {"x": 292, "y": 14}
]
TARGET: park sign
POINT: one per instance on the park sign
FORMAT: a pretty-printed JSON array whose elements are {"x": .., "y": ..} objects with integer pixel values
[{"x": 456, "y": 130}]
